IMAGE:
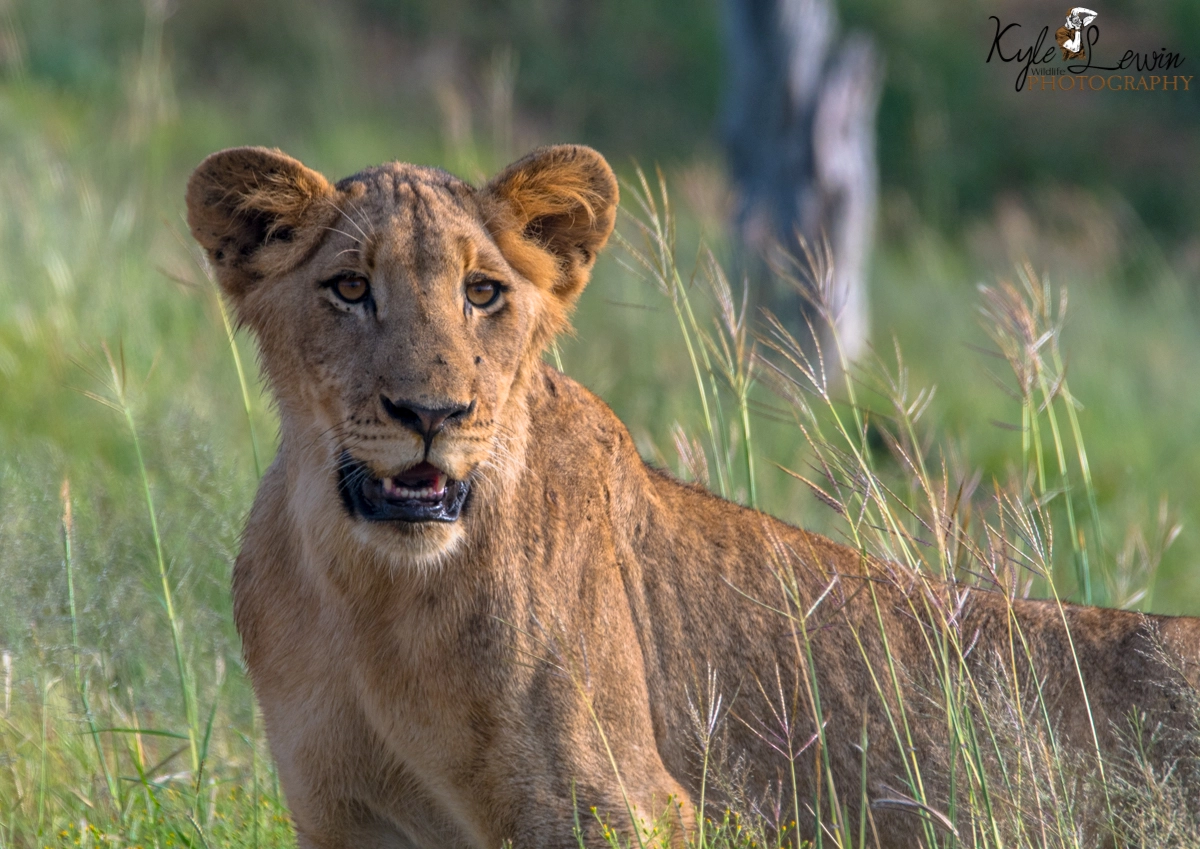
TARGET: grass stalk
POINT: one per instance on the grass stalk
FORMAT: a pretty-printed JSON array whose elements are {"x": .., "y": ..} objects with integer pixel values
[
  {"x": 748, "y": 446},
  {"x": 81, "y": 686},
  {"x": 660, "y": 261},
  {"x": 255, "y": 791},
  {"x": 241, "y": 376},
  {"x": 634, "y": 820},
  {"x": 44, "y": 748},
  {"x": 120, "y": 403}
]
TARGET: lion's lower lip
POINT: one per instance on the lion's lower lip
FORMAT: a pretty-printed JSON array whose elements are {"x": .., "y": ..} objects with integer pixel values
[{"x": 398, "y": 499}]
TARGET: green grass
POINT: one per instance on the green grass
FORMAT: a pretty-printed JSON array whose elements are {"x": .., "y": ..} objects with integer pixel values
[{"x": 133, "y": 429}]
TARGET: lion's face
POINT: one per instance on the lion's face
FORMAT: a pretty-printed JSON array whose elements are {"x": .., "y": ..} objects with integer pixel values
[{"x": 398, "y": 314}]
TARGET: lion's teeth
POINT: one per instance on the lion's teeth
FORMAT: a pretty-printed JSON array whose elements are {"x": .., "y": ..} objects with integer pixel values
[{"x": 426, "y": 493}]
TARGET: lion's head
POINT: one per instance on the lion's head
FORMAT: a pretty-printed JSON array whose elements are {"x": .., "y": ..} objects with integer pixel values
[{"x": 398, "y": 313}]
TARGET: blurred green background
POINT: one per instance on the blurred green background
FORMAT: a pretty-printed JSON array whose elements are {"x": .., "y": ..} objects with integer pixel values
[
  {"x": 633, "y": 78},
  {"x": 106, "y": 107}
]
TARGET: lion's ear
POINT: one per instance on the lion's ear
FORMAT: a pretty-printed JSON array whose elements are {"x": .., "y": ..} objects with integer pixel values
[
  {"x": 251, "y": 209},
  {"x": 551, "y": 212}
]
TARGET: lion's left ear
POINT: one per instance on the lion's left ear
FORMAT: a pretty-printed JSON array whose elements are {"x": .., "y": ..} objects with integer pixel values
[{"x": 550, "y": 213}]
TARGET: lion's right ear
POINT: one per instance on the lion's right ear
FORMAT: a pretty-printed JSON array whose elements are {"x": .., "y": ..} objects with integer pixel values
[{"x": 252, "y": 210}]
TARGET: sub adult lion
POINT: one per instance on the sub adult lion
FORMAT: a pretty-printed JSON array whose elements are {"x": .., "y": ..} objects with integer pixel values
[{"x": 470, "y": 610}]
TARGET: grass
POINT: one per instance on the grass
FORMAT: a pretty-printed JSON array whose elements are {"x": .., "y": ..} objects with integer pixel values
[
  {"x": 133, "y": 433},
  {"x": 920, "y": 516}
]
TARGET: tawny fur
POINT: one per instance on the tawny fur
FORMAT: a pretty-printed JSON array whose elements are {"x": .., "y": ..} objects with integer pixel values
[{"x": 458, "y": 685}]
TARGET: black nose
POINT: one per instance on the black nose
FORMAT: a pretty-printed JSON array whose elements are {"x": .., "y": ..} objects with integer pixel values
[{"x": 426, "y": 422}]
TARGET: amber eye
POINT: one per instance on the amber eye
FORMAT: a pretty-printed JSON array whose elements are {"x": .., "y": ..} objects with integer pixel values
[
  {"x": 483, "y": 293},
  {"x": 352, "y": 290}
]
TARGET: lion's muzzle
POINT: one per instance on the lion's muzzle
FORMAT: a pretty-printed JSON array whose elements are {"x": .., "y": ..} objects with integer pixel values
[{"x": 426, "y": 422}]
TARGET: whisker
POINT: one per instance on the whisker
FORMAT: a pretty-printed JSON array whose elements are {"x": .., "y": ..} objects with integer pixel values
[
  {"x": 358, "y": 210},
  {"x": 349, "y": 236},
  {"x": 353, "y": 223}
]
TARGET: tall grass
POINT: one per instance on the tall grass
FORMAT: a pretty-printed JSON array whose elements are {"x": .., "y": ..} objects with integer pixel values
[
  {"x": 925, "y": 520},
  {"x": 85, "y": 765},
  {"x": 724, "y": 353},
  {"x": 126, "y": 717}
]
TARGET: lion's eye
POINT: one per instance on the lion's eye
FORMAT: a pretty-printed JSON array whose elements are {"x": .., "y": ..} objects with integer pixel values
[
  {"x": 483, "y": 293},
  {"x": 352, "y": 290}
]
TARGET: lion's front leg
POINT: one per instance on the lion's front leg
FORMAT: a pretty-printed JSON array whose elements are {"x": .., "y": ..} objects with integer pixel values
[
  {"x": 663, "y": 815},
  {"x": 592, "y": 812},
  {"x": 583, "y": 749}
]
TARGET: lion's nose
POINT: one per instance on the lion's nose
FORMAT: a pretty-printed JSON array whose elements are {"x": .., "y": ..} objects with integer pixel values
[{"x": 426, "y": 422}]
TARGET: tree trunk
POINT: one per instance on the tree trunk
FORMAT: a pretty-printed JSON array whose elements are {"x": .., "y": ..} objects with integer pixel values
[{"x": 799, "y": 127}]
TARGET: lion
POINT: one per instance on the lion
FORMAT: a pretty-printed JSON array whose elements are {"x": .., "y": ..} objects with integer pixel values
[{"x": 472, "y": 615}]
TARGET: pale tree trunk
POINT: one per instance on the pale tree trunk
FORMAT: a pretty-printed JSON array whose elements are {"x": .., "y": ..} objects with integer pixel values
[{"x": 799, "y": 128}]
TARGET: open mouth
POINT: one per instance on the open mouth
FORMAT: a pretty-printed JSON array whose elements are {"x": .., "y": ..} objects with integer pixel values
[{"x": 421, "y": 494}]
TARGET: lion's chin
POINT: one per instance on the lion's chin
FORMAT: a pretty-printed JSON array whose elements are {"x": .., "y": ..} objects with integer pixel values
[{"x": 408, "y": 547}]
